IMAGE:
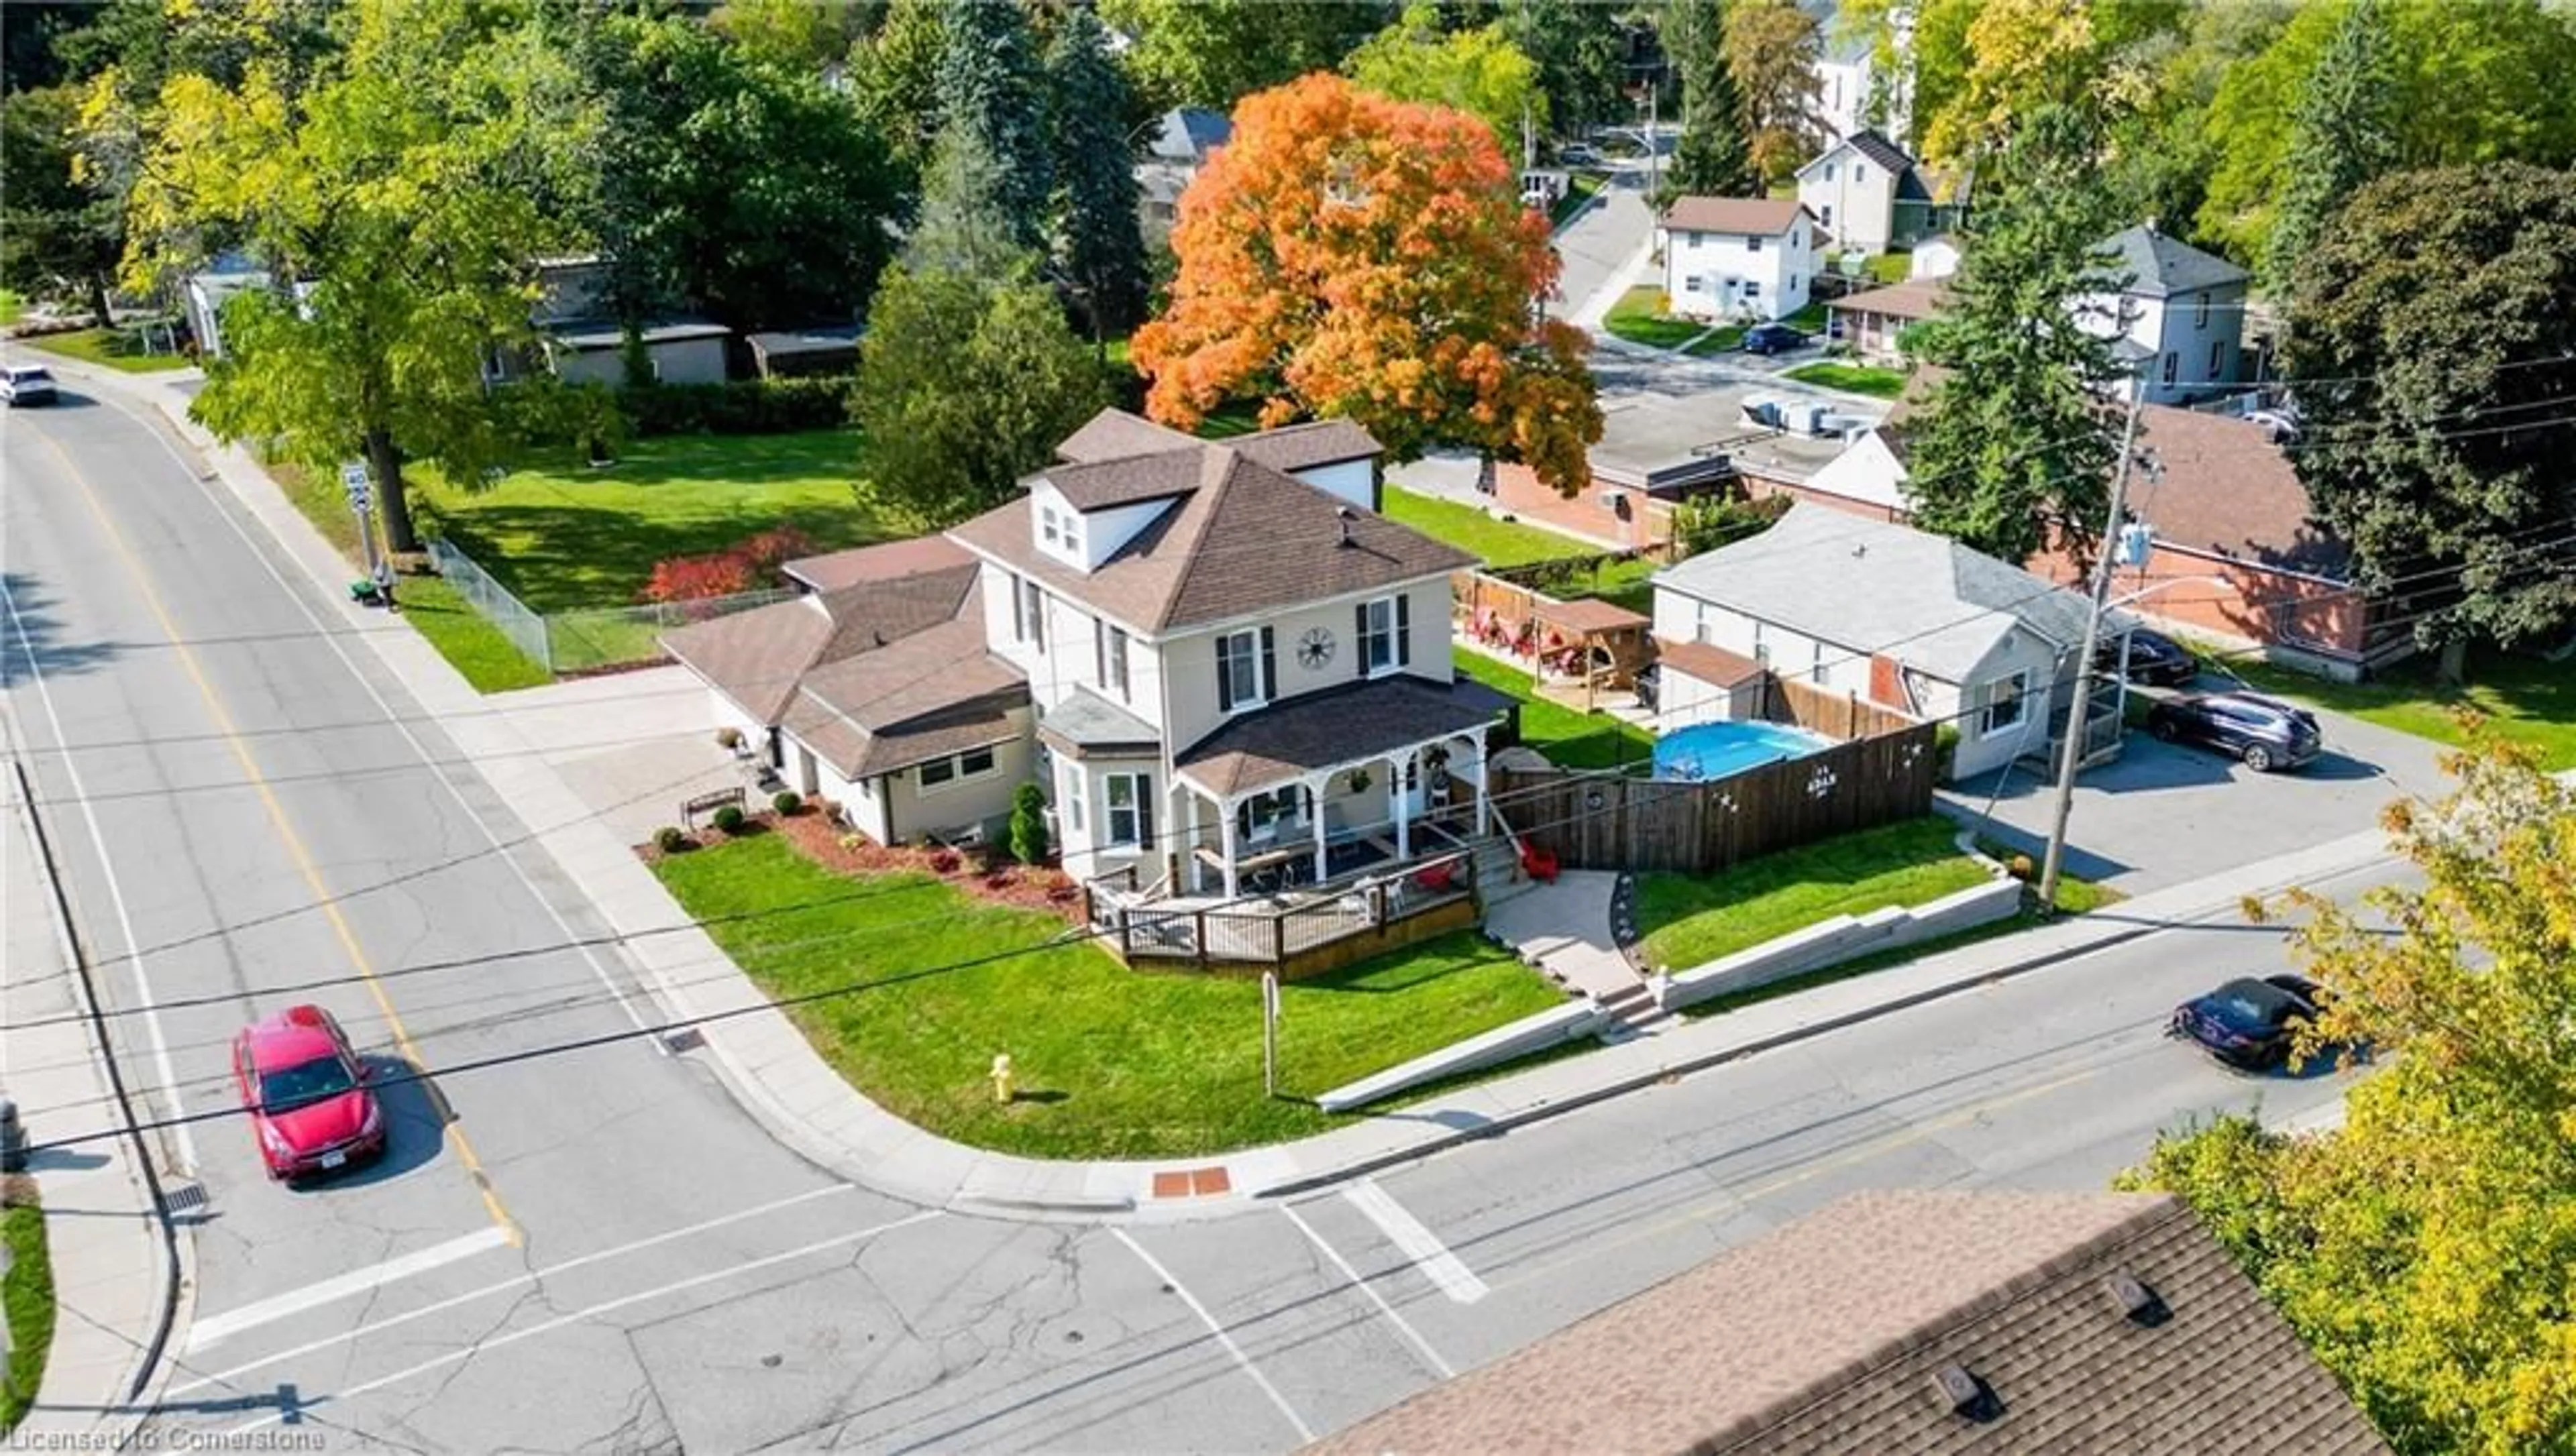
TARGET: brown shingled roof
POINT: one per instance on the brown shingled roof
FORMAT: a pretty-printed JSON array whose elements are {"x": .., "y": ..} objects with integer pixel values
[
  {"x": 1248, "y": 539},
  {"x": 882, "y": 562},
  {"x": 1707, "y": 662},
  {"x": 1316, "y": 731},
  {"x": 1822, "y": 1338},
  {"x": 922, "y": 696},
  {"x": 1128, "y": 479},
  {"x": 2228, "y": 490},
  {"x": 1115, "y": 434},
  {"x": 757, "y": 657},
  {"x": 1754, "y": 216},
  {"x": 1915, "y": 298}
]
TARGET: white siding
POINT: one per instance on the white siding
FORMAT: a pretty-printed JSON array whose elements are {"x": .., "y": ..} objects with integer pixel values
[
  {"x": 1853, "y": 198},
  {"x": 1782, "y": 271}
]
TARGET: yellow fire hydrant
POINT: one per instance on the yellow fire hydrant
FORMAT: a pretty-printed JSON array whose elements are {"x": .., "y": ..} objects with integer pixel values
[{"x": 1002, "y": 1077}]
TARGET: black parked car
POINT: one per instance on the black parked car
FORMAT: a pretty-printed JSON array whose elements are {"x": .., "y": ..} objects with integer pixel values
[
  {"x": 2249, "y": 1023},
  {"x": 2154, "y": 659},
  {"x": 1772, "y": 339},
  {"x": 2265, "y": 732}
]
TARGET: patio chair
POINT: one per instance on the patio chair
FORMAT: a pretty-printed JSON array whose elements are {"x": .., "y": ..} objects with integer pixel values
[{"x": 1539, "y": 864}]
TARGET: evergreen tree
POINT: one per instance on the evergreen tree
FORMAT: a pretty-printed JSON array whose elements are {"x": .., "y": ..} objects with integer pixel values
[
  {"x": 2344, "y": 134},
  {"x": 1099, "y": 242},
  {"x": 1710, "y": 160},
  {"x": 2018, "y": 434},
  {"x": 969, "y": 375},
  {"x": 992, "y": 87}
]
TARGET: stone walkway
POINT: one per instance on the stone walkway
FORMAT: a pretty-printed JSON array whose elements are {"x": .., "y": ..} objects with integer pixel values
[{"x": 1564, "y": 930}]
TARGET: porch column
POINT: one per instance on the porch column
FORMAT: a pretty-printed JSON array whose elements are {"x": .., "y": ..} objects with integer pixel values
[
  {"x": 1398, "y": 765},
  {"x": 1484, "y": 786},
  {"x": 1225, "y": 843},
  {"x": 1315, "y": 790}
]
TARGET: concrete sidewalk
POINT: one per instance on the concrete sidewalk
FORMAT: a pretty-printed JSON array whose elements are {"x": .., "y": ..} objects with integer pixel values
[
  {"x": 103, "y": 1233},
  {"x": 778, "y": 1076}
]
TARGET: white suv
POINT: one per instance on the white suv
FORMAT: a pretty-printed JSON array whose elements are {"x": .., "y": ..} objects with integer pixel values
[{"x": 22, "y": 384}]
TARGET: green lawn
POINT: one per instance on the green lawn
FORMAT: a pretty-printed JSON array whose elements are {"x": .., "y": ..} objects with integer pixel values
[
  {"x": 1689, "y": 920},
  {"x": 12, "y": 307},
  {"x": 1113, "y": 1063},
  {"x": 29, "y": 1299},
  {"x": 1639, "y": 318},
  {"x": 1566, "y": 736},
  {"x": 1498, "y": 542},
  {"x": 1858, "y": 378},
  {"x": 1886, "y": 268},
  {"x": 120, "y": 348},
  {"x": 1580, "y": 188},
  {"x": 562, "y": 536},
  {"x": 2524, "y": 699},
  {"x": 1725, "y": 339}
]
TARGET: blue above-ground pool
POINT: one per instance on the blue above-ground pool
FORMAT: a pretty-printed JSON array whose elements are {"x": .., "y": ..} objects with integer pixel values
[{"x": 1716, "y": 750}]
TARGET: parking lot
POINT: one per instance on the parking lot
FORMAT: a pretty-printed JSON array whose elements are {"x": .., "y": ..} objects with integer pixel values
[{"x": 2163, "y": 814}]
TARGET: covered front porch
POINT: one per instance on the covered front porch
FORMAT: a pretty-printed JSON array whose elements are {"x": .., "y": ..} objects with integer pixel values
[{"x": 1328, "y": 786}]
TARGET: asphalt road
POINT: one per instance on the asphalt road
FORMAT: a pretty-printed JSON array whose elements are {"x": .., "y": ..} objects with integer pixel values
[{"x": 600, "y": 1251}]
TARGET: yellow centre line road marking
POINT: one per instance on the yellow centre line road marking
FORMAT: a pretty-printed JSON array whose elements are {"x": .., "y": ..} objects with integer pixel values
[
  {"x": 294, "y": 842},
  {"x": 1859, "y": 1153}
]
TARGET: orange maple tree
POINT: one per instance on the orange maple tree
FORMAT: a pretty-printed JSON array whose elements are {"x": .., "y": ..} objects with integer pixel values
[{"x": 1346, "y": 254}]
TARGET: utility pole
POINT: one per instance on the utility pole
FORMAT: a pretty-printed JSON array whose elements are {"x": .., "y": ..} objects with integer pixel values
[{"x": 2071, "y": 752}]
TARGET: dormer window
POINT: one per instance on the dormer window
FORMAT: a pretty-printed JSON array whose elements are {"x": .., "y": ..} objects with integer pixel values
[{"x": 1049, "y": 529}]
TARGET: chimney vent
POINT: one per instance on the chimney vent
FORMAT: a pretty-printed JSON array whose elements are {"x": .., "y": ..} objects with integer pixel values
[
  {"x": 1343, "y": 515},
  {"x": 1963, "y": 1394},
  {"x": 2136, "y": 1302}
]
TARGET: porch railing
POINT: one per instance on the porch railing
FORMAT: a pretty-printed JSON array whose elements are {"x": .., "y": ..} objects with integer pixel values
[{"x": 1239, "y": 934}]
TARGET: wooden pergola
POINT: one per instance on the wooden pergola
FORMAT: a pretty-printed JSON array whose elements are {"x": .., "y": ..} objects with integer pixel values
[{"x": 1588, "y": 645}]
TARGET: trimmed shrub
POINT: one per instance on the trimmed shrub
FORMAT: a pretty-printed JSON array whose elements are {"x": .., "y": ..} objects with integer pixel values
[
  {"x": 786, "y": 802},
  {"x": 669, "y": 839},
  {"x": 728, "y": 818},
  {"x": 1945, "y": 748},
  {"x": 738, "y": 406},
  {"x": 1028, "y": 824},
  {"x": 945, "y": 862}
]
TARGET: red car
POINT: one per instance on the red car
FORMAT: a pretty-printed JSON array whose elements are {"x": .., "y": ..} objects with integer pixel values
[{"x": 306, "y": 1094}]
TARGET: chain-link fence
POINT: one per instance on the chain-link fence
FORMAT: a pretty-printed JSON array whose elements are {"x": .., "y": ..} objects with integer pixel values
[{"x": 582, "y": 641}]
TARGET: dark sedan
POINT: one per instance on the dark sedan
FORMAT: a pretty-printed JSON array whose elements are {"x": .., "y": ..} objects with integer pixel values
[
  {"x": 1772, "y": 339},
  {"x": 2154, "y": 659},
  {"x": 2264, "y": 732},
  {"x": 2249, "y": 1023}
]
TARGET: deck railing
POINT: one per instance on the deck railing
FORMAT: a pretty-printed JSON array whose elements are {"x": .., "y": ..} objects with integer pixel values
[{"x": 1274, "y": 933}]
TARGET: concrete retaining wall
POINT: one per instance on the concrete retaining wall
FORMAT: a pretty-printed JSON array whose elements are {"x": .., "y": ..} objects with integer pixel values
[
  {"x": 1502, "y": 1044},
  {"x": 1830, "y": 942}
]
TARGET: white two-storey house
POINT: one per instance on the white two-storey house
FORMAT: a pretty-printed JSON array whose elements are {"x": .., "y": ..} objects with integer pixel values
[
  {"x": 2175, "y": 315},
  {"x": 1225, "y": 668},
  {"x": 1738, "y": 257}
]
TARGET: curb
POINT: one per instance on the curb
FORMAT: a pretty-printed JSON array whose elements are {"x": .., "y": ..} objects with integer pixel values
[{"x": 1670, "y": 1071}]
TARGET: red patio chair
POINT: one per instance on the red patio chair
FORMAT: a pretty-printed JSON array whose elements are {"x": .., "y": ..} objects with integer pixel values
[
  {"x": 1539, "y": 864},
  {"x": 1434, "y": 879}
]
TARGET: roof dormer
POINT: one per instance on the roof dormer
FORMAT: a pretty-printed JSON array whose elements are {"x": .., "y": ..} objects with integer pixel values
[{"x": 1083, "y": 528}]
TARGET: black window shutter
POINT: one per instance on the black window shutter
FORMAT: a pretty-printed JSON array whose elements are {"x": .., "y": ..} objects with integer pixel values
[
  {"x": 1403, "y": 631},
  {"x": 1359, "y": 640},
  {"x": 1224, "y": 680},
  {"x": 1100, "y": 652},
  {"x": 1269, "y": 665},
  {"x": 1144, "y": 811}
]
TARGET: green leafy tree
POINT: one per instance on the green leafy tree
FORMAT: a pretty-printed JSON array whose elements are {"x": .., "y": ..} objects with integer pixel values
[
  {"x": 2473, "y": 84},
  {"x": 992, "y": 86},
  {"x": 1480, "y": 72},
  {"x": 895, "y": 76},
  {"x": 2343, "y": 134},
  {"x": 2423, "y": 1250},
  {"x": 2016, "y": 433},
  {"x": 387, "y": 197},
  {"x": 1771, "y": 51},
  {"x": 1710, "y": 159},
  {"x": 1580, "y": 50},
  {"x": 2023, "y": 55},
  {"x": 969, "y": 376},
  {"x": 2440, "y": 451},
  {"x": 802, "y": 36},
  {"x": 746, "y": 191},
  {"x": 1098, "y": 238},
  {"x": 58, "y": 233},
  {"x": 1212, "y": 53}
]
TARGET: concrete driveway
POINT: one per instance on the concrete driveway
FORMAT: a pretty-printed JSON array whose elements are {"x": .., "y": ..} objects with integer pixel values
[{"x": 2165, "y": 813}]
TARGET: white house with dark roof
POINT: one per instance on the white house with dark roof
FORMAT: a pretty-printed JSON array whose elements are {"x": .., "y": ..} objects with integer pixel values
[
  {"x": 1226, "y": 669},
  {"x": 2177, "y": 314},
  {"x": 1738, "y": 257},
  {"x": 1867, "y": 194}
]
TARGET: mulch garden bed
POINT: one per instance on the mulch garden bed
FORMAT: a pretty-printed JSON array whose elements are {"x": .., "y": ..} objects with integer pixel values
[{"x": 988, "y": 875}]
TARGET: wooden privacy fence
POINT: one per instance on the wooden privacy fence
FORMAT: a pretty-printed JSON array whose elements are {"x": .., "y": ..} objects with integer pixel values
[
  {"x": 1611, "y": 822},
  {"x": 1835, "y": 715}
]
